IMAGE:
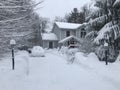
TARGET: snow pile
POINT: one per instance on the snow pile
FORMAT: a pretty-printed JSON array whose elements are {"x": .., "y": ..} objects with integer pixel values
[
  {"x": 91, "y": 62},
  {"x": 22, "y": 59},
  {"x": 52, "y": 73},
  {"x": 49, "y": 36},
  {"x": 65, "y": 25},
  {"x": 38, "y": 51}
]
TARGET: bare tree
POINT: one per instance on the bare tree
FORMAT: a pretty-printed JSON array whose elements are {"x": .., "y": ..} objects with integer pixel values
[{"x": 18, "y": 21}]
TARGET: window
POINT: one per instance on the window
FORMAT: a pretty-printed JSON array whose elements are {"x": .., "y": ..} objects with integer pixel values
[
  {"x": 67, "y": 33},
  {"x": 83, "y": 33}
]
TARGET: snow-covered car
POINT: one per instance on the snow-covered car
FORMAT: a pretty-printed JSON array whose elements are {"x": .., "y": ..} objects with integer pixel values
[{"x": 37, "y": 51}]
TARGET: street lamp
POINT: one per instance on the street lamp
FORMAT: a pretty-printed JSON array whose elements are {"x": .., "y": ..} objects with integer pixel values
[
  {"x": 12, "y": 43},
  {"x": 106, "y": 52}
]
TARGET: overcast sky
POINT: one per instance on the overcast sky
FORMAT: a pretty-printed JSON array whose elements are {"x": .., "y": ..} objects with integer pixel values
[{"x": 52, "y": 8}]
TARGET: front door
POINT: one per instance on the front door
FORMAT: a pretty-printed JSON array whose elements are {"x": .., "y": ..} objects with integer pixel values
[
  {"x": 72, "y": 42},
  {"x": 50, "y": 44}
]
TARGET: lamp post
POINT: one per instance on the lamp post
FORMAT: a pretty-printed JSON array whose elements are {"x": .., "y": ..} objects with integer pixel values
[
  {"x": 106, "y": 53},
  {"x": 12, "y": 43}
]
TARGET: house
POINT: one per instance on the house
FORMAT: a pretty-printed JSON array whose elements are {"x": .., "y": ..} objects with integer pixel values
[
  {"x": 69, "y": 33},
  {"x": 50, "y": 40}
]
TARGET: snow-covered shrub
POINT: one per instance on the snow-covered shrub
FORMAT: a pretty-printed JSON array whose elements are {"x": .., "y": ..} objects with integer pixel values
[
  {"x": 73, "y": 50},
  {"x": 71, "y": 54},
  {"x": 38, "y": 51},
  {"x": 63, "y": 49}
]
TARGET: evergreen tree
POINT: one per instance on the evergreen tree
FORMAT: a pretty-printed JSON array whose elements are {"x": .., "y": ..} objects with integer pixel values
[
  {"x": 107, "y": 24},
  {"x": 75, "y": 16}
]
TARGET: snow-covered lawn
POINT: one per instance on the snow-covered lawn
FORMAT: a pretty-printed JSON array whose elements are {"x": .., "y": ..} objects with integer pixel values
[{"x": 52, "y": 72}]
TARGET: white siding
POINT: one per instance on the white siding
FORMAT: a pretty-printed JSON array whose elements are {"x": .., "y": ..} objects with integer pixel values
[
  {"x": 78, "y": 33},
  {"x": 46, "y": 44}
]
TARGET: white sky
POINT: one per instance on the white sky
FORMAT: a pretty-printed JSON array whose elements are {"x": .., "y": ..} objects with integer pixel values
[{"x": 52, "y": 8}]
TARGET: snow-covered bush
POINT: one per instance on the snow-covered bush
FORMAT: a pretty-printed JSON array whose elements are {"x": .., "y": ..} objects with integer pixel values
[
  {"x": 38, "y": 51},
  {"x": 71, "y": 54},
  {"x": 63, "y": 49},
  {"x": 73, "y": 50}
]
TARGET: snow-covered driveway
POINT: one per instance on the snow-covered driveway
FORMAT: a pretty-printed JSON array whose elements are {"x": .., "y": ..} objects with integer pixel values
[{"x": 49, "y": 73}]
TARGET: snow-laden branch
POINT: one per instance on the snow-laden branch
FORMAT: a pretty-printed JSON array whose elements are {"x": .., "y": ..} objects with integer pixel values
[
  {"x": 21, "y": 6},
  {"x": 99, "y": 20},
  {"x": 15, "y": 19},
  {"x": 117, "y": 2},
  {"x": 91, "y": 34},
  {"x": 10, "y": 20},
  {"x": 110, "y": 30},
  {"x": 16, "y": 27},
  {"x": 13, "y": 7},
  {"x": 19, "y": 34},
  {"x": 38, "y": 3}
]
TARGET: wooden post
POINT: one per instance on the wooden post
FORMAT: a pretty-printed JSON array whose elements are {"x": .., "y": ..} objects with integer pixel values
[
  {"x": 13, "y": 61},
  {"x": 106, "y": 59}
]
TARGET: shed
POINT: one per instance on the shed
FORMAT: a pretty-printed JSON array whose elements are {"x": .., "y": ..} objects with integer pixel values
[{"x": 50, "y": 40}]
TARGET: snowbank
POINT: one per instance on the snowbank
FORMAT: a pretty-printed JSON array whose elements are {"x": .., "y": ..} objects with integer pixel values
[
  {"x": 92, "y": 63},
  {"x": 52, "y": 73}
]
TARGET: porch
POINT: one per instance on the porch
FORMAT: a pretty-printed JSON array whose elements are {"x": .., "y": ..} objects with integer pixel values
[{"x": 70, "y": 42}]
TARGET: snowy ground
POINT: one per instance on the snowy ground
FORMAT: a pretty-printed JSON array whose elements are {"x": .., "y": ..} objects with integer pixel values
[{"x": 52, "y": 72}]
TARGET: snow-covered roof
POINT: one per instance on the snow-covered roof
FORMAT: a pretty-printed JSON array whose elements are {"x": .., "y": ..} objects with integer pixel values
[
  {"x": 49, "y": 36},
  {"x": 68, "y": 38},
  {"x": 65, "y": 25}
]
